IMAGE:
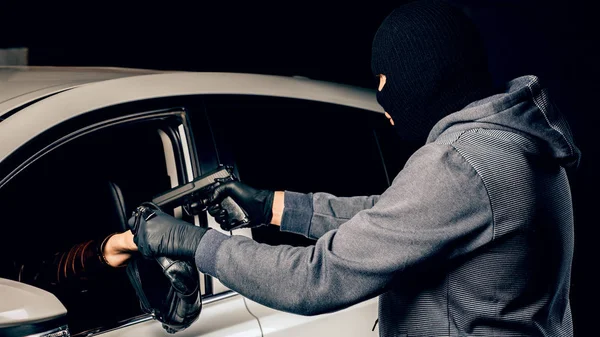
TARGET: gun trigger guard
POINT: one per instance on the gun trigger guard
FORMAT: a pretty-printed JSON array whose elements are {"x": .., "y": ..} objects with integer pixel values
[
  {"x": 187, "y": 210},
  {"x": 150, "y": 216},
  {"x": 222, "y": 180}
]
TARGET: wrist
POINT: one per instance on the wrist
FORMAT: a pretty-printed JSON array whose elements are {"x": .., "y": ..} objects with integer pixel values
[
  {"x": 116, "y": 249},
  {"x": 120, "y": 243},
  {"x": 127, "y": 244},
  {"x": 193, "y": 235},
  {"x": 278, "y": 205}
]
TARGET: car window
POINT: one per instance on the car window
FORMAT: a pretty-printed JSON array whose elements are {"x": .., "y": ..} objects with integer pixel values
[
  {"x": 68, "y": 196},
  {"x": 304, "y": 146}
]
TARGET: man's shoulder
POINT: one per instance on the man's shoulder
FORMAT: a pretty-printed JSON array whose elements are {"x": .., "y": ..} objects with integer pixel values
[{"x": 434, "y": 158}]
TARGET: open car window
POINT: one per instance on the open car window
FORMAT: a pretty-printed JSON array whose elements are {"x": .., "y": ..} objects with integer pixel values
[
  {"x": 304, "y": 146},
  {"x": 84, "y": 190}
]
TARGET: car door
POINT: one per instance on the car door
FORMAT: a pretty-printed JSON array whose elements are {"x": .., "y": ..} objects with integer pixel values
[
  {"x": 60, "y": 189},
  {"x": 306, "y": 146}
]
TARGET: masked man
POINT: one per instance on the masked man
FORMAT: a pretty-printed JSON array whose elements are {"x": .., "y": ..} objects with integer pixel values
[{"x": 473, "y": 237}]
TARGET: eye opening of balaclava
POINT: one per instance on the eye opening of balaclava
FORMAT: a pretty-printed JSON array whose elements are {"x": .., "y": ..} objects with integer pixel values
[{"x": 434, "y": 62}]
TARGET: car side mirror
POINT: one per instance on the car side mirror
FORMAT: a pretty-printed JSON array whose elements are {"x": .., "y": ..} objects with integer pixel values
[{"x": 29, "y": 311}]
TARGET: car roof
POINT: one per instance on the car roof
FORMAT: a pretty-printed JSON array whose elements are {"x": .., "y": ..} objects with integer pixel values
[
  {"x": 44, "y": 112},
  {"x": 22, "y": 84}
]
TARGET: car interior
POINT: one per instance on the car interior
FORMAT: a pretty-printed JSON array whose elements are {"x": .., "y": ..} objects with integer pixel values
[{"x": 85, "y": 189}]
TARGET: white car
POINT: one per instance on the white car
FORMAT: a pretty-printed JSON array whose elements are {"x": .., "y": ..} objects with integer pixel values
[{"x": 70, "y": 138}]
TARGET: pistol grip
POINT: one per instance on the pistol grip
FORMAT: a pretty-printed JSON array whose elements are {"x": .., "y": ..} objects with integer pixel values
[{"x": 236, "y": 216}]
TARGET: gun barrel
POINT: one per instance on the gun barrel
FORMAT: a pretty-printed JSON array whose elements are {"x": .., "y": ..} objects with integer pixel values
[
  {"x": 180, "y": 192},
  {"x": 209, "y": 179},
  {"x": 173, "y": 194}
]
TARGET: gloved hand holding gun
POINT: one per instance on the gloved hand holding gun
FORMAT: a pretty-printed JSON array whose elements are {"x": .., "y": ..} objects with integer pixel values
[
  {"x": 258, "y": 204},
  {"x": 161, "y": 234},
  {"x": 233, "y": 204},
  {"x": 209, "y": 189}
]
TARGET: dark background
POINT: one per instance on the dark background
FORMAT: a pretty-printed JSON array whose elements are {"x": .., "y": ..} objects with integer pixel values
[{"x": 554, "y": 40}]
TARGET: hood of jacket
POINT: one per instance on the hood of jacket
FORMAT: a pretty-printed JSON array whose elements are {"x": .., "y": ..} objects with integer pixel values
[{"x": 523, "y": 108}]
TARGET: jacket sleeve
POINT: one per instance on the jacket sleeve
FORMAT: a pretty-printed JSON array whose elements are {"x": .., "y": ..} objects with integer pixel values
[
  {"x": 315, "y": 214},
  {"x": 436, "y": 208},
  {"x": 69, "y": 270}
]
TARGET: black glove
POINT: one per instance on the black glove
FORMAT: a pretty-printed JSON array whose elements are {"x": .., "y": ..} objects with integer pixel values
[
  {"x": 157, "y": 233},
  {"x": 257, "y": 203}
]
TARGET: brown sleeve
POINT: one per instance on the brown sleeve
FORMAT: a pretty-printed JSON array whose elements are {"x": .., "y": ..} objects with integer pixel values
[{"x": 73, "y": 267}]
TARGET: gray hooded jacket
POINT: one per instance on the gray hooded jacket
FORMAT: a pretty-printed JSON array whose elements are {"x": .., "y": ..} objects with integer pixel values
[{"x": 473, "y": 238}]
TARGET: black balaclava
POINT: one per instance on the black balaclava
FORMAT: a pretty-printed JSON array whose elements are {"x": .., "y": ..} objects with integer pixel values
[{"x": 434, "y": 63}]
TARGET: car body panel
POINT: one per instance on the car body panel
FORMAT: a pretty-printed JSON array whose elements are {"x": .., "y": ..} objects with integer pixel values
[
  {"x": 219, "y": 318},
  {"x": 25, "y": 304},
  {"x": 357, "y": 320}
]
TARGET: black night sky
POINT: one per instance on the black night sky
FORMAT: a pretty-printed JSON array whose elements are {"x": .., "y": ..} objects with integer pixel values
[{"x": 555, "y": 40}]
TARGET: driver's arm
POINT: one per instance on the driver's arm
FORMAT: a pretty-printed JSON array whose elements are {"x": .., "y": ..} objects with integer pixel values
[{"x": 80, "y": 262}]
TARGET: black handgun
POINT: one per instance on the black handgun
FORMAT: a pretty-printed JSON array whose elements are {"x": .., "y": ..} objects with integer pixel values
[{"x": 191, "y": 195}]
